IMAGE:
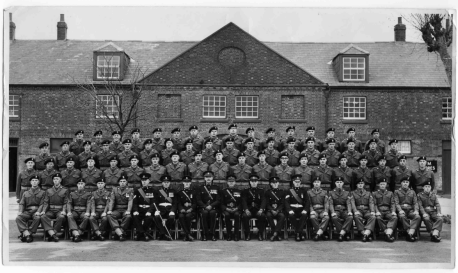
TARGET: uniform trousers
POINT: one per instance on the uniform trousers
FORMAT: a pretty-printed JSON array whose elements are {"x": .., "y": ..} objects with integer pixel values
[
  {"x": 409, "y": 220},
  {"x": 119, "y": 214},
  {"x": 169, "y": 220},
  {"x": 186, "y": 220},
  {"x": 78, "y": 215},
  {"x": 93, "y": 220},
  {"x": 208, "y": 220},
  {"x": 365, "y": 214},
  {"x": 384, "y": 217},
  {"x": 280, "y": 216},
  {"x": 297, "y": 219},
  {"x": 342, "y": 221},
  {"x": 147, "y": 221},
  {"x": 260, "y": 220},
  {"x": 228, "y": 215},
  {"x": 51, "y": 214},
  {"x": 432, "y": 221},
  {"x": 319, "y": 220},
  {"x": 23, "y": 219}
]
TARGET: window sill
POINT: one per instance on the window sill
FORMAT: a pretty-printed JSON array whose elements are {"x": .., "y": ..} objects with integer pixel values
[
  {"x": 170, "y": 120},
  {"x": 214, "y": 120},
  {"x": 292, "y": 121},
  {"x": 15, "y": 119},
  {"x": 247, "y": 120},
  {"x": 355, "y": 121},
  {"x": 446, "y": 121}
]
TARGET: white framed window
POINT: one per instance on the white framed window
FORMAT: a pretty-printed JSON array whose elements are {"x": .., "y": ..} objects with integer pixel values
[
  {"x": 354, "y": 108},
  {"x": 447, "y": 108},
  {"x": 214, "y": 106},
  {"x": 108, "y": 67},
  {"x": 14, "y": 106},
  {"x": 354, "y": 69},
  {"x": 404, "y": 147},
  {"x": 110, "y": 103},
  {"x": 246, "y": 106}
]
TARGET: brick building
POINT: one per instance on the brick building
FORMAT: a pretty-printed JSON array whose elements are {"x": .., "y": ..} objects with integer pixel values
[{"x": 231, "y": 77}]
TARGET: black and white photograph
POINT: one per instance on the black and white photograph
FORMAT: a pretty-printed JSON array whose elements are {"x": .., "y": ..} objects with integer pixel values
[{"x": 247, "y": 136}]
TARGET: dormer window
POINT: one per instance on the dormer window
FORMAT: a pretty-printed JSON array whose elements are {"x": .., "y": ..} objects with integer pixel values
[
  {"x": 354, "y": 69},
  {"x": 110, "y": 63},
  {"x": 108, "y": 67},
  {"x": 352, "y": 64}
]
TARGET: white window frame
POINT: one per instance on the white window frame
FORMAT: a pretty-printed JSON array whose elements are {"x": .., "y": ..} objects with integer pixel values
[
  {"x": 214, "y": 106},
  {"x": 405, "y": 146},
  {"x": 108, "y": 99},
  {"x": 356, "y": 62},
  {"x": 107, "y": 64},
  {"x": 351, "y": 109},
  {"x": 250, "y": 102},
  {"x": 14, "y": 106},
  {"x": 447, "y": 105}
]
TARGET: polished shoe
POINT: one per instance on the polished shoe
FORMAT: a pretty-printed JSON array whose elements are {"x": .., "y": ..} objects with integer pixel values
[
  {"x": 247, "y": 237},
  {"x": 77, "y": 239},
  {"x": 436, "y": 238},
  {"x": 389, "y": 238},
  {"x": 29, "y": 238},
  {"x": 122, "y": 238},
  {"x": 204, "y": 237},
  {"x": 22, "y": 238},
  {"x": 410, "y": 238},
  {"x": 341, "y": 238},
  {"x": 317, "y": 237},
  {"x": 298, "y": 237},
  {"x": 274, "y": 237},
  {"x": 236, "y": 237},
  {"x": 93, "y": 237},
  {"x": 365, "y": 238},
  {"x": 213, "y": 238},
  {"x": 190, "y": 238},
  {"x": 260, "y": 236},
  {"x": 145, "y": 237},
  {"x": 229, "y": 237},
  {"x": 370, "y": 237},
  {"x": 54, "y": 238},
  {"x": 100, "y": 237}
]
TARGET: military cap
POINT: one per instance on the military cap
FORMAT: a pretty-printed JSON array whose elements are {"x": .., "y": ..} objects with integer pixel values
[
  {"x": 208, "y": 140},
  {"x": 290, "y": 140},
  {"x": 34, "y": 177},
  {"x": 274, "y": 179},
  {"x": 290, "y": 128},
  {"x": 65, "y": 142},
  {"x": 208, "y": 173},
  {"x": 381, "y": 158},
  {"x": 98, "y": 133},
  {"x": 338, "y": 178},
  {"x": 44, "y": 144},
  {"x": 212, "y": 128},
  {"x": 372, "y": 140},
  {"x": 100, "y": 181},
  {"x": 79, "y": 132},
  {"x": 310, "y": 128},
  {"x": 188, "y": 141},
  {"x": 361, "y": 180},
  {"x": 351, "y": 140},
  {"x": 198, "y": 152},
  {"x": 218, "y": 152},
  {"x": 70, "y": 159},
  {"x": 56, "y": 175},
  {"x": 317, "y": 179},
  {"x": 157, "y": 130},
  {"x": 341, "y": 157},
  {"x": 167, "y": 140},
  {"x": 127, "y": 140},
  {"x": 87, "y": 142},
  {"x": 392, "y": 141},
  {"x": 156, "y": 155},
  {"x": 250, "y": 139},
  {"x": 81, "y": 181},
  {"x": 116, "y": 133},
  {"x": 261, "y": 153},
  {"x": 134, "y": 157},
  {"x": 405, "y": 178},
  {"x": 310, "y": 139},
  {"x": 381, "y": 180},
  {"x": 229, "y": 139},
  {"x": 106, "y": 141},
  {"x": 270, "y": 139},
  {"x": 194, "y": 127},
  {"x": 302, "y": 156},
  {"x": 29, "y": 159},
  {"x": 270, "y": 130},
  {"x": 51, "y": 159},
  {"x": 176, "y": 130},
  {"x": 322, "y": 156},
  {"x": 249, "y": 129},
  {"x": 230, "y": 177},
  {"x": 254, "y": 177},
  {"x": 144, "y": 176},
  {"x": 241, "y": 154},
  {"x": 186, "y": 178},
  {"x": 122, "y": 177},
  {"x": 402, "y": 157},
  {"x": 331, "y": 130},
  {"x": 232, "y": 126},
  {"x": 174, "y": 153},
  {"x": 427, "y": 182},
  {"x": 135, "y": 130},
  {"x": 375, "y": 131},
  {"x": 362, "y": 157},
  {"x": 282, "y": 154},
  {"x": 421, "y": 158},
  {"x": 114, "y": 157},
  {"x": 331, "y": 140},
  {"x": 296, "y": 176},
  {"x": 148, "y": 141},
  {"x": 93, "y": 157},
  {"x": 351, "y": 129}
]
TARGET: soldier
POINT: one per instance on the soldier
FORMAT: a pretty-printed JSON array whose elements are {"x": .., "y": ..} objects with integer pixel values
[
  {"x": 70, "y": 176},
  {"x": 165, "y": 154},
  {"x": 324, "y": 173},
  {"x": 407, "y": 207},
  {"x": 230, "y": 153},
  {"x": 195, "y": 137},
  {"x": 216, "y": 142},
  {"x": 62, "y": 157},
  {"x": 112, "y": 174},
  {"x": 30, "y": 208},
  {"x": 273, "y": 204},
  {"x": 430, "y": 209},
  {"x": 119, "y": 207},
  {"x": 311, "y": 153},
  {"x": 330, "y": 134},
  {"x": 78, "y": 208},
  {"x": 262, "y": 170},
  {"x": 143, "y": 208},
  {"x": 208, "y": 153},
  {"x": 351, "y": 132},
  {"x": 385, "y": 209},
  {"x": 283, "y": 172},
  {"x": 97, "y": 144},
  {"x": 363, "y": 172},
  {"x": 284, "y": 142},
  {"x": 91, "y": 175},
  {"x": 99, "y": 208},
  {"x": 84, "y": 155},
  {"x": 23, "y": 179},
  {"x": 187, "y": 156},
  {"x": 178, "y": 143},
  {"x": 351, "y": 154},
  {"x": 422, "y": 175},
  {"x": 104, "y": 155},
  {"x": 380, "y": 143},
  {"x": 319, "y": 208},
  {"x": 208, "y": 200},
  {"x": 363, "y": 209},
  {"x": 166, "y": 207},
  {"x": 137, "y": 146},
  {"x": 256, "y": 141},
  {"x": 332, "y": 155},
  {"x": 242, "y": 170},
  {"x": 237, "y": 140},
  {"x": 124, "y": 156},
  {"x": 272, "y": 155},
  {"x": 382, "y": 171},
  {"x": 187, "y": 208},
  {"x": 77, "y": 146},
  {"x": 133, "y": 172},
  {"x": 158, "y": 141},
  {"x": 270, "y": 136},
  {"x": 116, "y": 146},
  {"x": 220, "y": 170},
  {"x": 231, "y": 207},
  {"x": 306, "y": 173},
  {"x": 46, "y": 175},
  {"x": 297, "y": 204},
  {"x": 54, "y": 207},
  {"x": 250, "y": 153},
  {"x": 344, "y": 172},
  {"x": 40, "y": 159},
  {"x": 252, "y": 199},
  {"x": 196, "y": 169},
  {"x": 399, "y": 172},
  {"x": 393, "y": 155},
  {"x": 147, "y": 153},
  {"x": 293, "y": 154},
  {"x": 311, "y": 134},
  {"x": 156, "y": 171},
  {"x": 340, "y": 208},
  {"x": 177, "y": 170},
  {"x": 372, "y": 154}
]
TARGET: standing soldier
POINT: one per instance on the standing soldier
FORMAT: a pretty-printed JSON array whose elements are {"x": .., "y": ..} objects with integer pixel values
[
  {"x": 319, "y": 207},
  {"x": 156, "y": 171},
  {"x": 381, "y": 146},
  {"x": 340, "y": 208},
  {"x": 393, "y": 155},
  {"x": 293, "y": 154},
  {"x": 116, "y": 146},
  {"x": 104, "y": 155},
  {"x": 431, "y": 212},
  {"x": 237, "y": 140},
  {"x": 177, "y": 170},
  {"x": 78, "y": 208},
  {"x": 62, "y": 157},
  {"x": 297, "y": 204},
  {"x": 283, "y": 171},
  {"x": 187, "y": 208},
  {"x": 332, "y": 155},
  {"x": 70, "y": 176},
  {"x": 216, "y": 142},
  {"x": 330, "y": 134},
  {"x": 219, "y": 169},
  {"x": 137, "y": 146},
  {"x": 208, "y": 153},
  {"x": 99, "y": 208},
  {"x": 197, "y": 169},
  {"x": 91, "y": 175},
  {"x": 231, "y": 207},
  {"x": 83, "y": 156},
  {"x": 311, "y": 134},
  {"x": 30, "y": 208},
  {"x": 40, "y": 159},
  {"x": 158, "y": 141},
  {"x": 178, "y": 143},
  {"x": 250, "y": 152},
  {"x": 256, "y": 141},
  {"x": 399, "y": 172},
  {"x": 422, "y": 175},
  {"x": 372, "y": 154},
  {"x": 344, "y": 172},
  {"x": 363, "y": 209},
  {"x": 306, "y": 173},
  {"x": 363, "y": 172},
  {"x": 270, "y": 136},
  {"x": 167, "y": 206},
  {"x": 187, "y": 156},
  {"x": 230, "y": 153},
  {"x": 324, "y": 173},
  {"x": 311, "y": 152},
  {"x": 77, "y": 146},
  {"x": 147, "y": 153},
  {"x": 143, "y": 208},
  {"x": 97, "y": 144},
  {"x": 351, "y": 154},
  {"x": 272, "y": 154},
  {"x": 23, "y": 179},
  {"x": 273, "y": 204},
  {"x": 351, "y": 132},
  {"x": 385, "y": 209},
  {"x": 133, "y": 172},
  {"x": 382, "y": 172},
  {"x": 54, "y": 207},
  {"x": 208, "y": 200},
  {"x": 165, "y": 154},
  {"x": 196, "y": 139},
  {"x": 407, "y": 207},
  {"x": 252, "y": 198},
  {"x": 242, "y": 171},
  {"x": 46, "y": 175},
  {"x": 263, "y": 171},
  {"x": 284, "y": 142},
  {"x": 124, "y": 156},
  {"x": 119, "y": 207},
  {"x": 112, "y": 174}
]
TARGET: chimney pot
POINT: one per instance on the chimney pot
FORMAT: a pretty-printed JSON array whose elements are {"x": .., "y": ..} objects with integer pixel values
[
  {"x": 61, "y": 29},
  {"x": 400, "y": 31},
  {"x": 62, "y": 18},
  {"x": 12, "y": 28}
]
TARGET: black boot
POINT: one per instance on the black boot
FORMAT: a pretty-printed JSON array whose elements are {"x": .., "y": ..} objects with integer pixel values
[
  {"x": 247, "y": 236},
  {"x": 236, "y": 237},
  {"x": 214, "y": 238},
  {"x": 317, "y": 237},
  {"x": 29, "y": 238},
  {"x": 54, "y": 238},
  {"x": 260, "y": 236},
  {"x": 298, "y": 237},
  {"x": 204, "y": 237},
  {"x": 229, "y": 237},
  {"x": 341, "y": 238}
]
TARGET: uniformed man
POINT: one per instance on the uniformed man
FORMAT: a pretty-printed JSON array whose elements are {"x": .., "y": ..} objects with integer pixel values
[
  {"x": 99, "y": 208},
  {"x": 143, "y": 208},
  {"x": 256, "y": 141},
  {"x": 112, "y": 174},
  {"x": 351, "y": 154},
  {"x": 407, "y": 207},
  {"x": 195, "y": 137},
  {"x": 242, "y": 170},
  {"x": 165, "y": 154},
  {"x": 311, "y": 152},
  {"x": 116, "y": 146},
  {"x": 78, "y": 208},
  {"x": 216, "y": 142},
  {"x": 305, "y": 171},
  {"x": 124, "y": 156},
  {"x": 237, "y": 140},
  {"x": 372, "y": 154},
  {"x": 70, "y": 176},
  {"x": 252, "y": 198},
  {"x": 147, "y": 153},
  {"x": 231, "y": 208},
  {"x": 344, "y": 172},
  {"x": 351, "y": 133},
  {"x": 63, "y": 155},
  {"x": 208, "y": 153},
  {"x": 54, "y": 207},
  {"x": 381, "y": 146},
  {"x": 187, "y": 156},
  {"x": 297, "y": 205},
  {"x": 133, "y": 172},
  {"x": 382, "y": 172},
  {"x": 340, "y": 208},
  {"x": 177, "y": 170},
  {"x": 158, "y": 141},
  {"x": 330, "y": 134},
  {"x": 273, "y": 204},
  {"x": 311, "y": 134},
  {"x": 30, "y": 207},
  {"x": 363, "y": 209},
  {"x": 77, "y": 146},
  {"x": 197, "y": 169},
  {"x": 156, "y": 171},
  {"x": 422, "y": 175},
  {"x": 272, "y": 154},
  {"x": 319, "y": 207},
  {"x": 137, "y": 146},
  {"x": 430, "y": 209},
  {"x": 119, "y": 207},
  {"x": 84, "y": 155},
  {"x": 104, "y": 155},
  {"x": 290, "y": 135},
  {"x": 40, "y": 159},
  {"x": 332, "y": 155},
  {"x": 263, "y": 171},
  {"x": 283, "y": 172},
  {"x": 208, "y": 200},
  {"x": 251, "y": 153},
  {"x": 324, "y": 173},
  {"x": 293, "y": 154},
  {"x": 230, "y": 153},
  {"x": 399, "y": 172},
  {"x": 167, "y": 206},
  {"x": 270, "y": 136},
  {"x": 23, "y": 178},
  {"x": 178, "y": 142},
  {"x": 363, "y": 172},
  {"x": 187, "y": 208},
  {"x": 46, "y": 175},
  {"x": 91, "y": 174},
  {"x": 393, "y": 155},
  {"x": 97, "y": 143},
  {"x": 220, "y": 170},
  {"x": 385, "y": 209}
]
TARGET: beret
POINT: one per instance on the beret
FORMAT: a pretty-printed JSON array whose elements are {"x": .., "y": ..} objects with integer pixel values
[
  {"x": 116, "y": 133},
  {"x": 421, "y": 158},
  {"x": 106, "y": 141},
  {"x": 249, "y": 129},
  {"x": 34, "y": 177},
  {"x": 392, "y": 141},
  {"x": 250, "y": 139},
  {"x": 351, "y": 129},
  {"x": 331, "y": 130},
  {"x": 270, "y": 130},
  {"x": 290, "y": 128},
  {"x": 44, "y": 144},
  {"x": 144, "y": 176},
  {"x": 176, "y": 130},
  {"x": 65, "y": 142},
  {"x": 310, "y": 128},
  {"x": 134, "y": 157},
  {"x": 148, "y": 141},
  {"x": 375, "y": 131},
  {"x": 208, "y": 173},
  {"x": 56, "y": 175},
  {"x": 157, "y": 130},
  {"x": 29, "y": 159},
  {"x": 79, "y": 132},
  {"x": 135, "y": 130},
  {"x": 98, "y": 133},
  {"x": 194, "y": 127}
]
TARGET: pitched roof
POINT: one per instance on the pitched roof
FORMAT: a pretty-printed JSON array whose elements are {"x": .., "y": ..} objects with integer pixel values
[{"x": 352, "y": 49}]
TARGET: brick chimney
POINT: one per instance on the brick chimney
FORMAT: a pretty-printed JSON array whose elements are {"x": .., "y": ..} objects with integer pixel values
[
  {"x": 12, "y": 28},
  {"x": 61, "y": 29},
  {"x": 400, "y": 31}
]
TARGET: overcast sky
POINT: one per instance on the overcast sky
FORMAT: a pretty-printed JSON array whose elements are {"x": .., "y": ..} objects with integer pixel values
[{"x": 196, "y": 23}]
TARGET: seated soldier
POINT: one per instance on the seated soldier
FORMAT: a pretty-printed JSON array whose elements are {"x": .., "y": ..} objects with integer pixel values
[
  {"x": 431, "y": 212},
  {"x": 340, "y": 208},
  {"x": 166, "y": 204},
  {"x": 231, "y": 207},
  {"x": 120, "y": 205},
  {"x": 407, "y": 207},
  {"x": 319, "y": 207},
  {"x": 187, "y": 208},
  {"x": 208, "y": 201},
  {"x": 363, "y": 209},
  {"x": 143, "y": 208},
  {"x": 99, "y": 208},
  {"x": 78, "y": 207},
  {"x": 251, "y": 202},
  {"x": 385, "y": 209},
  {"x": 297, "y": 204},
  {"x": 273, "y": 204}
]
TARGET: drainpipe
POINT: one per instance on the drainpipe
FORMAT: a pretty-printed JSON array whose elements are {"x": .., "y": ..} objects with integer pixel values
[{"x": 327, "y": 92}]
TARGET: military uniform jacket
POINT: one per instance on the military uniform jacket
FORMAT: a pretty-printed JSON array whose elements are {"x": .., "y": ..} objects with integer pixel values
[
  {"x": 197, "y": 169},
  {"x": 362, "y": 198},
  {"x": 217, "y": 143},
  {"x": 137, "y": 146},
  {"x": 32, "y": 200},
  {"x": 291, "y": 202},
  {"x": 178, "y": 144},
  {"x": 272, "y": 157},
  {"x": 324, "y": 146},
  {"x": 325, "y": 175},
  {"x": 284, "y": 172},
  {"x": 346, "y": 174},
  {"x": 165, "y": 155},
  {"x": 284, "y": 144},
  {"x": 91, "y": 176},
  {"x": 398, "y": 174},
  {"x": 372, "y": 158},
  {"x": 306, "y": 173},
  {"x": 252, "y": 198},
  {"x": 339, "y": 200},
  {"x": 428, "y": 202},
  {"x": 40, "y": 161},
  {"x": 220, "y": 169},
  {"x": 148, "y": 200},
  {"x": 352, "y": 158},
  {"x": 208, "y": 156},
  {"x": 276, "y": 145},
  {"x": 366, "y": 174},
  {"x": 197, "y": 142},
  {"x": 312, "y": 157},
  {"x": 112, "y": 176},
  {"x": 232, "y": 200},
  {"x": 123, "y": 157},
  {"x": 358, "y": 145},
  {"x": 187, "y": 157},
  {"x": 133, "y": 174},
  {"x": 264, "y": 171},
  {"x": 186, "y": 199},
  {"x": 77, "y": 147},
  {"x": 420, "y": 177},
  {"x": 230, "y": 156},
  {"x": 156, "y": 171},
  {"x": 46, "y": 177},
  {"x": 384, "y": 200},
  {"x": 121, "y": 199},
  {"x": 381, "y": 146},
  {"x": 238, "y": 142},
  {"x": 96, "y": 146},
  {"x": 405, "y": 200},
  {"x": 241, "y": 172},
  {"x": 317, "y": 146},
  {"x": 116, "y": 147},
  {"x": 176, "y": 171},
  {"x": 158, "y": 144},
  {"x": 274, "y": 199},
  {"x": 104, "y": 158},
  {"x": 79, "y": 201},
  {"x": 23, "y": 180},
  {"x": 82, "y": 158},
  {"x": 70, "y": 177},
  {"x": 145, "y": 157},
  {"x": 61, "y": 159},
  {"x": 100, "y": 200},
  {"x": 392, "y": 158},
  {"x": 318, "y": 199},
  {"x": 332, "y": 157},
  {"x": 204, "y": 199},
  {"x": 379, "y": 173},
  {"x": 251, "y": 157},
  {"x": 56, "y": 199},
  {"x": 293, "y": 157}
]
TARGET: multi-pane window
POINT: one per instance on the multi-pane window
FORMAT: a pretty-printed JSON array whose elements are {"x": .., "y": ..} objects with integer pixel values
[
  {"x": 447, "y": 108},
  {"x": 108, "y": 67},
  {"x": 404, "y": 147},
  {"x": 354, "y": 108},
  {"x": 214, "y": 106},
  {"x": 107, "y": 106},
  {"x": 354, "y": 69},
  {"x": 246, "y": 106},
  {"x": 14, "y": 106}
]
